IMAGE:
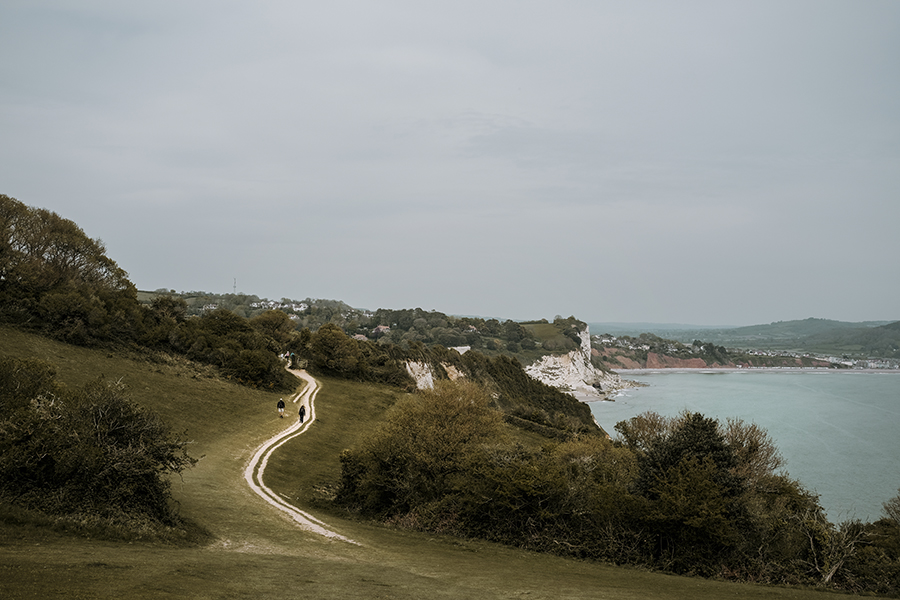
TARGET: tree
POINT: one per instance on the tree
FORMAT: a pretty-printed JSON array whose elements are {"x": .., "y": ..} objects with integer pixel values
[
  {"x": 164, "y": 315},
  {"x": 756, "y": 454},
  {"x": 331, "y": 350},
  {"x": 694, "y": 436},
  {"x": 513, "y": 332},
  {"x": 276, "y": 325},
  {"x": 223, "y": 322},
  {"x": 754, "y": 451},
  {"x": 411, "y": 459},
  {"x": 55, "y": 276},
  {"x": 169, "y": 307},
  {"x": 688, "y": 477},
  {"x": 641, "y": 432},
  {"x": 891, "y": 509},
  {"x": 691, "y": 515},
  {"x": 829, "y": 547}
]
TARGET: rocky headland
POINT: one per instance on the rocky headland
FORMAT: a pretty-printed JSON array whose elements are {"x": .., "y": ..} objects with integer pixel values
[{"x": 575, "y": 373}]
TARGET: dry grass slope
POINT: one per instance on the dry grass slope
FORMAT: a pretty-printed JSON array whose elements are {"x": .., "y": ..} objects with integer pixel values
[{"x": 256, "y": 552}]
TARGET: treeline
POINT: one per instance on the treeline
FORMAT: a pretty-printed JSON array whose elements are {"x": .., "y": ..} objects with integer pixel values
[
  {"x": 85, "y": 454},
  {"x": 432, "y": 327},
  {"x": 403, "y": 326},
  {"x": 688, "y": 495},
  {"x": 525, "y": 400},
  {"x": 822, "y": 336},
  {"x": 58, "y": 281},
  {"x": 55, "y": 279}
]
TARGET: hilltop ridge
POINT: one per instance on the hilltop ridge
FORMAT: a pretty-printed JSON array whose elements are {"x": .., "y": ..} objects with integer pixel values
[
  {"x": 537, "y": 344},
  {"x": 850, "y": 343}
]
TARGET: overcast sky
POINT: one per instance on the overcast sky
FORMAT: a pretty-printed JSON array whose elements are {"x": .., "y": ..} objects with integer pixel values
[{"x": 709, "y": 163}]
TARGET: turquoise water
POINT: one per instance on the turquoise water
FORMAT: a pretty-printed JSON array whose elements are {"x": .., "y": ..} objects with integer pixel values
[{"x": 838, "y": 431}]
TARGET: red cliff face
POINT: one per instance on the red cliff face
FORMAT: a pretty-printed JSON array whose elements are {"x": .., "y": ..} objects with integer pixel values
[
  {"x": 628, "y": 363},
  {"x": 622, "y": 361},
  {"x": 619, "y": 358},
  {"x": 657, "y": 361}
]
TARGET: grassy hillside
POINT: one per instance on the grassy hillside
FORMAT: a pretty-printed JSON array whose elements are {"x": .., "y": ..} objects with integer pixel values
[
  {"x": 257, "y": 553},
  {"x": 189, "y": 397},
  {"x": 882, "y": 341}
]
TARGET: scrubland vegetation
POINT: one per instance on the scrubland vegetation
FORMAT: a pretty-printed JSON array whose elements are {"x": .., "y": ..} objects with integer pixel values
[
  {"x": 88, "y": 455},
  {"x": 688, "y": 495},
  {"x": 493, "y": 456}
]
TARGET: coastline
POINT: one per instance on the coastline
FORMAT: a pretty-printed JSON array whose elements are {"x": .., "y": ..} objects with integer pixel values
[
  {"x": 610, "y": 396},
  {"x": 657, "y": 371},
  {"x": 835, "y": 431}
]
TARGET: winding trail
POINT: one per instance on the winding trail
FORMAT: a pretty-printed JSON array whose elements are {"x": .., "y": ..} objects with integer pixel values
[
  {"x": 256, "y": 553},
  {"x": 253, "y": 474}
]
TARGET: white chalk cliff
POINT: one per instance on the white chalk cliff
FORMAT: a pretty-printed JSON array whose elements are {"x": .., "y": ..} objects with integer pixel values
[
  {"x": 574, "y": 373},
  {"x": 423, "y": 373}
]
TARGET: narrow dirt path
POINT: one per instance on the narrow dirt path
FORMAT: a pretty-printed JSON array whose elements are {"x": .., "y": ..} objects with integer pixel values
[
  {"x": 253, "y": 474},
  {"x": 258, "y": 553}
]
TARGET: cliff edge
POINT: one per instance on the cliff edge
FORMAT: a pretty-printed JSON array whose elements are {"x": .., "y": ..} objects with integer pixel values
[{"x": 574, "y": 373}]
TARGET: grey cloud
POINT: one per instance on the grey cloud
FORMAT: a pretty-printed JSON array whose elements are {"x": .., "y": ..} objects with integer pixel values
[{"x": 702, "y": 161}]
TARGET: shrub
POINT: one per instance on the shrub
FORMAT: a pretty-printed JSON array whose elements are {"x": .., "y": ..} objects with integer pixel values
[
  {"x": 413, "y": 458},
  {"x": 84, "y": 451}
]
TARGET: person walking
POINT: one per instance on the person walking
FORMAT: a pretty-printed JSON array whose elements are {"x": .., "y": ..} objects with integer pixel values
[
  {"x": 302, "y": 412},
  {"x": 281, "y": 408}
]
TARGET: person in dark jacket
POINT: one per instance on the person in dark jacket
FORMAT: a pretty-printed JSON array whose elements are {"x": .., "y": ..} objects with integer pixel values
[
  {"x": 281, "y": 408},
  {"x": 302, "y": 413}
]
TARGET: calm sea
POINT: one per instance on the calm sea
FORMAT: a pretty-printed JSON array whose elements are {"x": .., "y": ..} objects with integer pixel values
[{"x": 839, "y": 432}]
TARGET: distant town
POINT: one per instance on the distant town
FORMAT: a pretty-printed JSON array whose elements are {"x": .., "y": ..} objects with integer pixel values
[
  {"x": 716, "y": 349},
  {"x": 677, "y": 349}
]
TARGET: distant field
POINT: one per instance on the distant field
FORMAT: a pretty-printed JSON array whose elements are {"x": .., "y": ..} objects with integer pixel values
[
  {"x": 257, "y": 553},
  {"x": 546, "y": 332}
]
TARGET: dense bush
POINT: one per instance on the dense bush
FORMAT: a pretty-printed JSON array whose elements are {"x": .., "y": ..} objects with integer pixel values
[
  {"x": 685, "y": 494},
  {"x": 86, "y": 451},
  {"x": 876, "y": 567},
  {"x": 415, "y": 458},
  {"x": 240, "y": 348},
  {"x": 330, "y": 351}
]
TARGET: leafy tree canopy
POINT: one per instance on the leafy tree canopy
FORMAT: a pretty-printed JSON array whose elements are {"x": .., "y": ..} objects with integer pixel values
[{"x": 54, "y": 276}]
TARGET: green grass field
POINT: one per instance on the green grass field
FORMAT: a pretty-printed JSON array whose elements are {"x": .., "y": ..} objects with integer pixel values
[{"x": 256, "y": 552}]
